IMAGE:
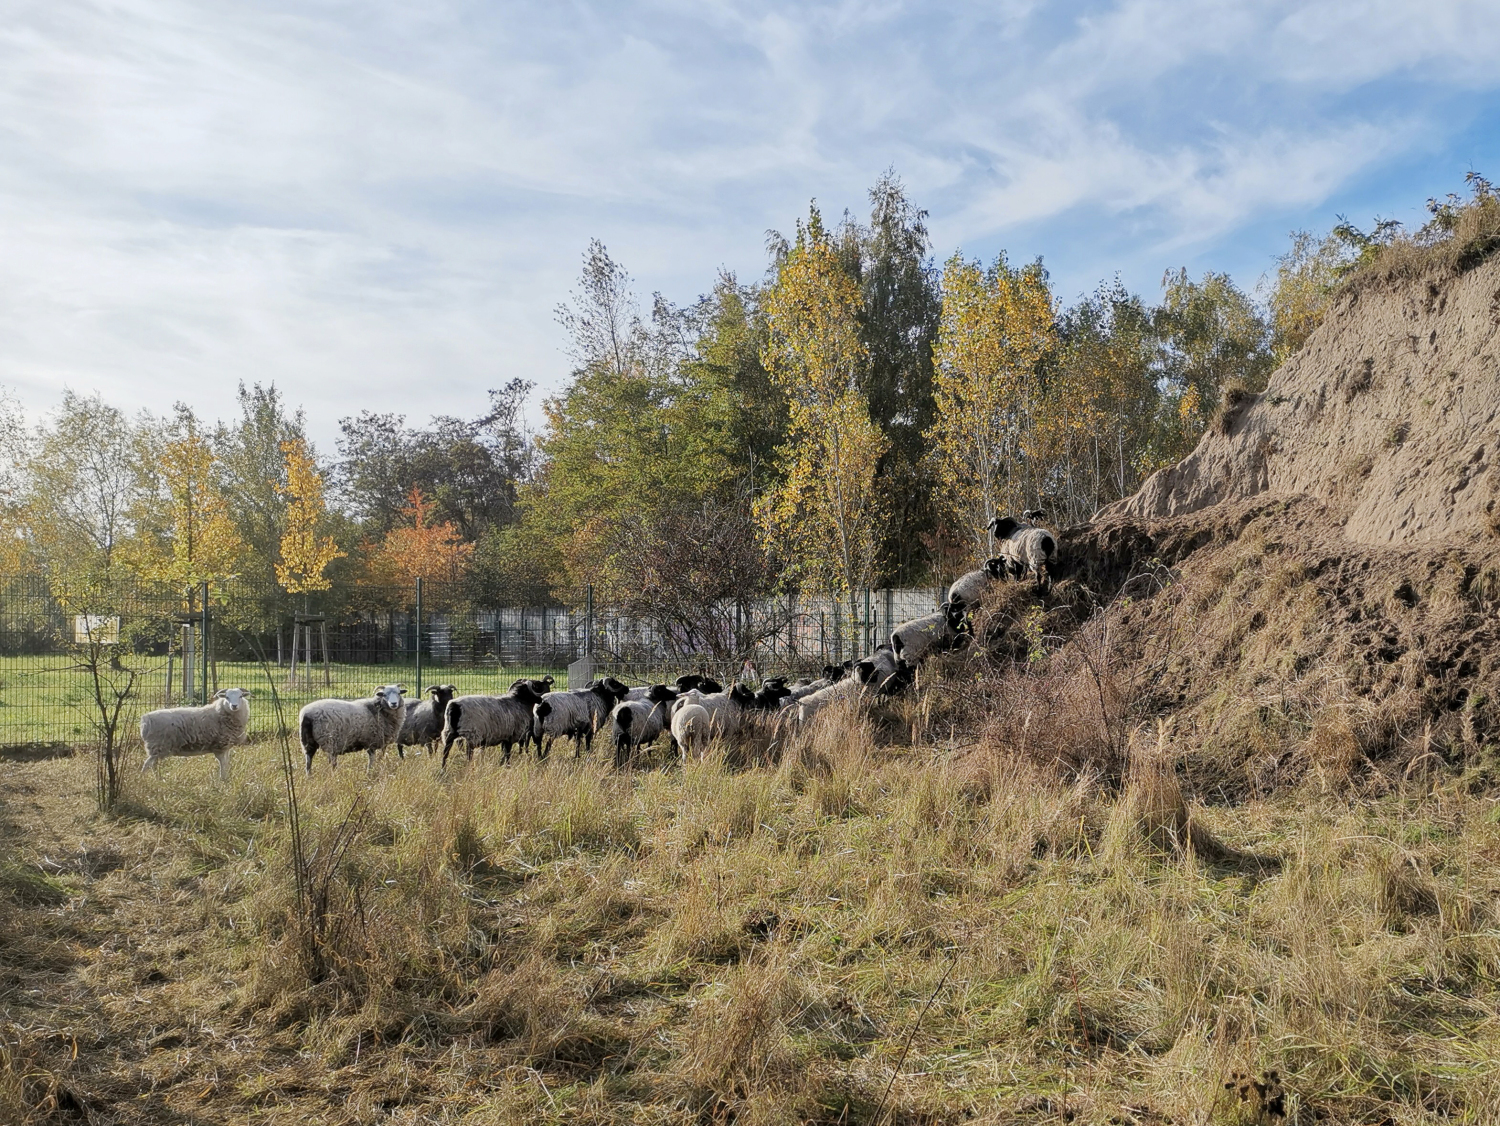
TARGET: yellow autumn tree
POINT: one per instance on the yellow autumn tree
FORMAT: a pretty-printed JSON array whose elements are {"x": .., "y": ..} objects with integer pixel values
[
  {"x": 826, "y": 516},
  {"x": 996, "y": 324},
  {"x": 305, "y": 554},
  {"x": 198, "y": 540}
]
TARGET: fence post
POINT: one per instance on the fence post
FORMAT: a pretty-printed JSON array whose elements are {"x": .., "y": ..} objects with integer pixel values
[
  {"x": 588, "y": 623},
  {"x": 204, "y": 634},
  {"x": 419, "y": 638}
]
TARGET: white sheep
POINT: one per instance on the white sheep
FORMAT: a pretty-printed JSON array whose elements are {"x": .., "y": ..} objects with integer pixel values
[
  {"x": 803, "y": 711},
  {"x": 577, "y": 714},
  {"x": 636, "y": 723},
  {"x": 490, "y": 721},
  {"x": 339, "y": 727},
  {"x": 220, "y": 724},
  {"x": 700, "y": 717},
  {"x": 423, "y": 724},
  {"x": 919, "y": 638},
  {"x": 971, "y": 588},
  {"x": 1025, "y": 547}
]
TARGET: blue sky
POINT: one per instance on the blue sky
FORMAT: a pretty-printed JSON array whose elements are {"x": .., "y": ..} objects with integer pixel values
[{"x": 378, "y": 205}]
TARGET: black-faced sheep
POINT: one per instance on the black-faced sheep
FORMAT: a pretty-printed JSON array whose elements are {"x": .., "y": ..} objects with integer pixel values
[
  {"x": 636, "y": 723},
  {"x": 490, "y": 721},
  {"x": 1024, "y": 547},
  {"x": 213, "y": 729},
  {"x": 577, "y": 715},
  {"x": 339, "y": 727},
  {"x": 971, "y": 587},
  {"x": 423, "y": 725},
  {"x": 916, "y": 640}
]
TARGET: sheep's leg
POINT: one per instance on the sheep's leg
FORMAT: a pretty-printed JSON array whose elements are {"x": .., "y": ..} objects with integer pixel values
[
  {"x": 151, "y": 760},
  {"x": 223, "y": 758},
  {"x": 447, "y": 746},
  {"x": 370, "y": 766},
  {"x": 307, "y": 760}
]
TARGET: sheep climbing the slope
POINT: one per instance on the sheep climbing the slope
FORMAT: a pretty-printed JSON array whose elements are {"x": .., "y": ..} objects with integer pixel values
[
  {"x": 972, "y": 587},
  {"x": 883, "y": 672},
  {"x": 339, "y": 727},
  {"x": 919, "y": 638},
  {"x": 1025, "y": 548},
  {"x": 576, "y": 715},
  {"x": 490, "y": 721},
  {"x": 423, "y": 725},
  {"x": 220, "y": 724},
  {"x": 639, "y": 722}
]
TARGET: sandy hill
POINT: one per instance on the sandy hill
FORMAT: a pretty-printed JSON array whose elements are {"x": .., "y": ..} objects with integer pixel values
[
  {"x": 1390, "y": 416},
  {"x": 1315, "y": 590}
]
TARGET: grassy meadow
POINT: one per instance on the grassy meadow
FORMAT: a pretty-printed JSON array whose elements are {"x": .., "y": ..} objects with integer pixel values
[
  {"x": 49, "y": 699},
  {"x": 860, "y": 932}
]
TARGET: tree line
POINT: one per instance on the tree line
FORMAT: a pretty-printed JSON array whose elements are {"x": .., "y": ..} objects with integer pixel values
[{"x": 851, "y": 418}]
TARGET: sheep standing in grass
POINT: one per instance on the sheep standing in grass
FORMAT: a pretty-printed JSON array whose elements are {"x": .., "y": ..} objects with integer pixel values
[
  {"x": 339, "y": 727},
  {"x": 636, "y": 723},
  {"x": 1025, "y": 547},
  {"x": 423, "y": 725},
  {"x": 220, "y": 724},
  {"x": 919, "y": 638},
  {"x": 577, "y": 715},
  {"x": 490, "y": 721},
  {"x": 700, "y": 717}
]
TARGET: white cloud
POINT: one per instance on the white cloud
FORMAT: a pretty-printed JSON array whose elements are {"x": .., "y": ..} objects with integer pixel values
[{"x": 383, "y": 203}]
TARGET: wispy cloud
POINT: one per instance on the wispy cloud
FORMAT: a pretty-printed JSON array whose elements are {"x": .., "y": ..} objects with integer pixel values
[{"x": 379, "y": 205}]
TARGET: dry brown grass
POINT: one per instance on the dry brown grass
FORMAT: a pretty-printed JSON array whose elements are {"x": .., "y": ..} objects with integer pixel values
[
  {"x": 1015, "y": 896},
  {"x": 561, "y": 943}
]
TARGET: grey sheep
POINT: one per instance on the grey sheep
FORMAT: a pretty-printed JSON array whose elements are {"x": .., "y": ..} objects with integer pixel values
[
  {"x": 883, "y": 672},
  {"x": 339, "y": 727},
  {"x": 220, "y": 724},
  {"x": 919, "y": 638},
  {"x": 1025, "y": 547},
  {"x": 577, "y": 715},
  {"x": 971, "y": 587},
  {"x": 636, "y": 723},
  {"x": 489, "y": 721},
  {"x": 423, "y": 725}
]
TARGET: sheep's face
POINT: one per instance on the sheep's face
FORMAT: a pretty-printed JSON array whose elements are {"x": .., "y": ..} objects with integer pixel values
[
  {"x": 390, "y": 696},
  {"x": 995, "y": 567},
  {"x": 231, "y": 699}
]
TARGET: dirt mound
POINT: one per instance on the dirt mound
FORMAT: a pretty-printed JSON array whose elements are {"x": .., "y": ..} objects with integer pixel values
[{"x": 1389, "y": 416}]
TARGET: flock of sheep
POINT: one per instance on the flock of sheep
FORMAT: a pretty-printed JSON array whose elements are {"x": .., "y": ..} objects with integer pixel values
[{"x": 692, "y": 711}]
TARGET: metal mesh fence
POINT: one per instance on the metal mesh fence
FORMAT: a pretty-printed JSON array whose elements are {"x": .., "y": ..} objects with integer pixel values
[{"x": 69, "y": 656}]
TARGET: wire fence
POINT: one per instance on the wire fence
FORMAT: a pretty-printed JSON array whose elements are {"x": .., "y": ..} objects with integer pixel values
[{"x": 68, "y": 655}]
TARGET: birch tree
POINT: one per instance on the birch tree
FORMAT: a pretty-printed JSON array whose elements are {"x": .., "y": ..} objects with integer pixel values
[
  {"x": 996, "y": 324},
  {"x": 826, "y": 515}
]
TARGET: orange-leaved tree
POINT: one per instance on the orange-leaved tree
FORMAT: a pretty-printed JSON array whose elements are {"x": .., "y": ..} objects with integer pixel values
[
  {"x": 423, "y": 547},
  {"x": 305, "y": 554}
]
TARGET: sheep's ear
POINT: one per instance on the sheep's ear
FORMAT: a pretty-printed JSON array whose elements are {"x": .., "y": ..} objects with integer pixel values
[{"x": 219, "y": 695}]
